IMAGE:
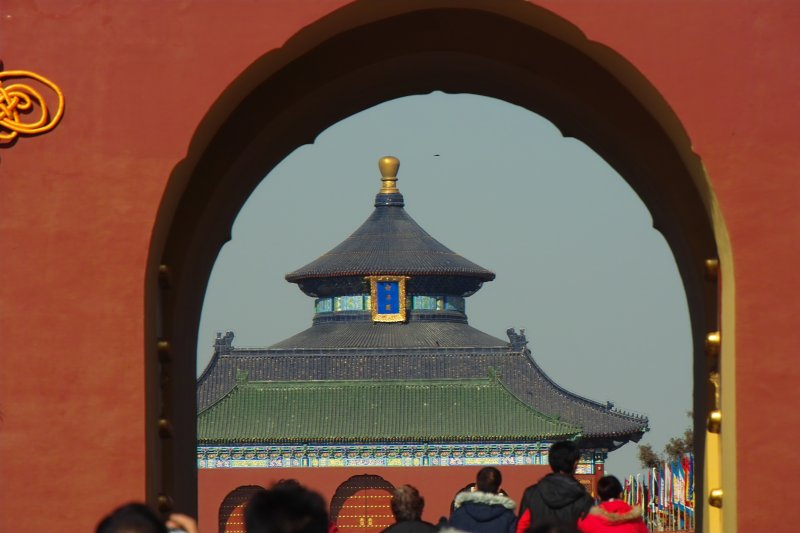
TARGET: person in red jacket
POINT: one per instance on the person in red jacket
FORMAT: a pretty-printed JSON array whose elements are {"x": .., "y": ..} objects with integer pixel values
[{"x": 612, "y": 515}]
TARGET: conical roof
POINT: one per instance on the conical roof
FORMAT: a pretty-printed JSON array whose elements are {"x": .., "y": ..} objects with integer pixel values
[{"x": 390, "y": 242}]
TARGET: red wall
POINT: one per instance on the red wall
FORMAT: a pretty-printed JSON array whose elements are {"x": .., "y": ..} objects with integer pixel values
[
  {"x": 77, "y": 208},
  {"x": 437, "y": 484}
]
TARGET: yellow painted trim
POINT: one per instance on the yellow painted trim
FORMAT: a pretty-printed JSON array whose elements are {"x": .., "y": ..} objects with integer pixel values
[
  {"x": 720, "y": 464},
  {"x": 728, "y": 375}
]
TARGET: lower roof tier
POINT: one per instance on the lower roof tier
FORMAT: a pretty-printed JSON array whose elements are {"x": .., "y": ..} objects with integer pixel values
[
  {"x": 378, "y": 411},
  {"x": 363, "y": 333},
  {"x": 512, "y": 363}
]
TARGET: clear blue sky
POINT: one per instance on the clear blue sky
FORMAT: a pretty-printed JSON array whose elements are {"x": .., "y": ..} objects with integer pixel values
[{"x": 578, "y": 263}]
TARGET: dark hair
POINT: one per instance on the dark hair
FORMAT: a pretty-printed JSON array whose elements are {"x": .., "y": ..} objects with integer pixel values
[
  {"x": 551, "y": 528},
  {"x": 489, "y": 479},
  {"x": 609, "y": 487},
  {"x": 288, "y": 507},
  {"x": 132, "y": 518},
  {"x": 563, "y": 456},
  {"x": 407, "y": 504}
]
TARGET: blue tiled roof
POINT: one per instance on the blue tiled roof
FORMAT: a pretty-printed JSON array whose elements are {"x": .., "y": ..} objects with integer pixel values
[{"x": 390, "y": 242}]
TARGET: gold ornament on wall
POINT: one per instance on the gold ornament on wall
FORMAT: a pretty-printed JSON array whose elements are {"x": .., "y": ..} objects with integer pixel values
[
  {"x": 23, "y": 109},
  {"x": 714, "y": 423},
  {"x": 388, "y": 298}
]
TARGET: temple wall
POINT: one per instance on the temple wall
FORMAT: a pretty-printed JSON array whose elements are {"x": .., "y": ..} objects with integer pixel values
[
  {"x": 78, "y": 207},
  {"x": 438, "y": 485}
]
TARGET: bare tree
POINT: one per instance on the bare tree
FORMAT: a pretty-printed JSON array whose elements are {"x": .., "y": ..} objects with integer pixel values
[
  {"x": 676, "y": 448},
  {"x": 648, "y": 457}
]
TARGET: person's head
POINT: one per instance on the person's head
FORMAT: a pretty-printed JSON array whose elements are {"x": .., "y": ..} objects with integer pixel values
[
  {"x": 407, "y": 504},
  {"x": 608, "y": 488},
  {"x": 132, "y": 518},
  {"x": 489, "y": 479},
  {"x": 563, "y": 456},
  {"x": 288, "y": 507}
]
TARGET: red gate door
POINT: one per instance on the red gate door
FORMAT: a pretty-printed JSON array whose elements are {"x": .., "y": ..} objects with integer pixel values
[
  {"x": 366, "y": 511},
  {"x": 231, "y": 512}
]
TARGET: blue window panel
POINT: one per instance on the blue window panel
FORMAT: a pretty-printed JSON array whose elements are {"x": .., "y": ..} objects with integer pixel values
[
  {"x": 454, "y": 303},
  {"x": 424, "y": 302},
  {"x": 324, "y": 305},
  {"x": 349, "y": 303}
]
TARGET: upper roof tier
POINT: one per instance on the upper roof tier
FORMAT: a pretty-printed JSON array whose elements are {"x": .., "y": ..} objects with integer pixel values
[{"x": 389, "y": 242}]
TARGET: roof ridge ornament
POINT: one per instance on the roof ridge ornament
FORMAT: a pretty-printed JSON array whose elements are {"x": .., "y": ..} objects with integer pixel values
[
  {"x": 389, "y": 193},
  {"x": 223, "y": 344},
  {"x": 518, "y": 340}
]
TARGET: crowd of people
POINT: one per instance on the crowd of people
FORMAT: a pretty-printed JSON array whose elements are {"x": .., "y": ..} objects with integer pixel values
[{"x": 557, "y": 503}]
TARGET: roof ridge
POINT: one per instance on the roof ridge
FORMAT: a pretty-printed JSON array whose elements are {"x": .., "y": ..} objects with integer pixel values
[
  {"x": 221, "y": 398},
  {"x": 370, "y": 382},
  {"x": 496, "y": 377},
  {"x": 323, "y": 352},
  {"x": 572, "y": 395}
]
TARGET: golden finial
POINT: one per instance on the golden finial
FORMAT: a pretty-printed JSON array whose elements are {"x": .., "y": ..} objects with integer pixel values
[{"x": 389, "y": 166}]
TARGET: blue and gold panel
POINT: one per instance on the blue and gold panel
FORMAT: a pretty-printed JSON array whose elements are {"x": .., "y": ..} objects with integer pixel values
[
  {"x": 388, "y": 294},
  {"x": 388, "y": 298}
]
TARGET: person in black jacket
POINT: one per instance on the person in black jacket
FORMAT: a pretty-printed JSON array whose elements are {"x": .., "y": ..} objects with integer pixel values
[
  {"x": 558, "y": 498},
  {"x": 484, "y": 510},
  {"x": 407, "y": 507}
]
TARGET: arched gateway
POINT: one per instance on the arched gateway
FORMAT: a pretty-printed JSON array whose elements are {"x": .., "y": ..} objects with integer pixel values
[
  {"x": 363, "y": 55},
  {"x": 362, "y": 504}
]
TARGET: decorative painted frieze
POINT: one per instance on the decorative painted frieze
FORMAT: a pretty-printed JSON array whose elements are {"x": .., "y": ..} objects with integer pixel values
[{"x": 321, "y": 456}]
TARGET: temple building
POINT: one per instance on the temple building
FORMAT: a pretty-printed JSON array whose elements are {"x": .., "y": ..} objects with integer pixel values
[{"x": 389, "y": 385}]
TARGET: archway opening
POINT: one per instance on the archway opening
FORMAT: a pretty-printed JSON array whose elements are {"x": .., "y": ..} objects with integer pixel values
[
  {"x": 345, "y": 64},
  {"x": 579, "y": 266}
]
